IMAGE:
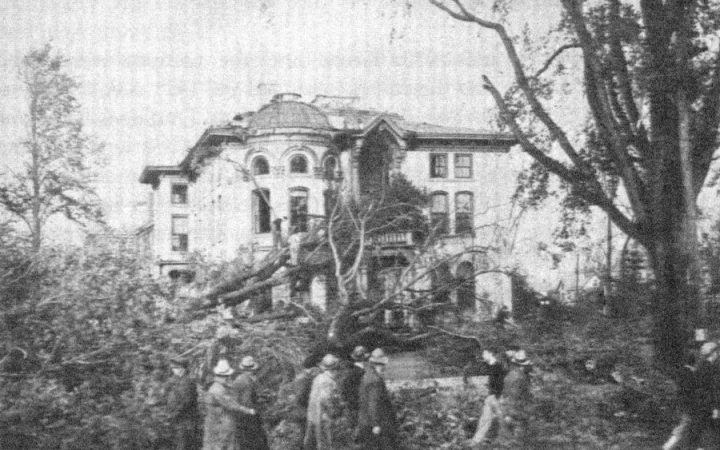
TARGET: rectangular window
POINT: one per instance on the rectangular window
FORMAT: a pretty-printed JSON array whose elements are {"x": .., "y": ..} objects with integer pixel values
[
  {"x": 438, "y": 165},
  {"x": 179, "y": 194},
  {"x": 464, "y": 213},
  {"x": 463, "y": 165},
  {"x": 298, "y": 211},
  {"x": 261, "y": 211},
  {"x": 439, "y": 213},
  {"x": 179, "y": 233}
]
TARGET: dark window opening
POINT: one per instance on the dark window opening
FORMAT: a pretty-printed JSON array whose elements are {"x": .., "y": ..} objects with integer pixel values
[
  {"x": 182, "y": 276},
  {"x": 298, "y": 210},
  {"x": 463, "y": 166},
  {"x": 261, "y": 211},
  {"x": 464, "y": 213},
  {"x": 330, "y": 168},
  {"x": 179, "y": 233},
  {"x": 438, "y": 165},
  {"x": 439, "y": 213},
  {"x": 261, "y": 166},
  {"x": 179, "y": 194},
  {"x": 298, "y": 164},
  {"x": 466, "y": 288}
]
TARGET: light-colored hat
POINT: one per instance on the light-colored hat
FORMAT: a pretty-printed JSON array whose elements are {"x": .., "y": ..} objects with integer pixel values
[
  {"x": 223, "y": 368},
  {"x": 329, "y": 362},
  {"x": 520, "y": 358},
  {"x": 378, "y": 357},
  {"x": 360, "y": 353},
  {"x": 248, "y": 363},
  {"x": 708, "y": 348}
]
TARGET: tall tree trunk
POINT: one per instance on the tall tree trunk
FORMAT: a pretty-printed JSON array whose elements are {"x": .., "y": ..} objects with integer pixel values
[{"x": 36, "y": 220}]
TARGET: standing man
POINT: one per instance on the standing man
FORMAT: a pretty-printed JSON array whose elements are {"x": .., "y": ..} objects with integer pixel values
[
  {"x": 376, "y": 416},
  {"x": 183, "y": 407},
  {"x": 491, "y": 413},
  {"x": 516, "y": 395},
  {"x": 707, "y": 413},
  {"x": 250, "y": 432},
  {"x": 324, "y": 407},
  {"x": 350, "y": 381},
  {"x": 222, "y": 411}
]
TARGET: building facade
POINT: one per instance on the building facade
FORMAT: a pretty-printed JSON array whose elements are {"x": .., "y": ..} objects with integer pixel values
[{"x": 272, "y": 170}]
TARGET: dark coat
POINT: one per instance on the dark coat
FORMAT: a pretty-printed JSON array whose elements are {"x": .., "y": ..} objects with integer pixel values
[
  {"x": 376, "y": 409},
  {"x": 184, "y": 414},
  {"x": 250, "y": 432},
  {"x": 350, "y": 377}
]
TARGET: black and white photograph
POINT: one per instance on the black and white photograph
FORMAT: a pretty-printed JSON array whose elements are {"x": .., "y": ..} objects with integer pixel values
[{"x": 359, "y": 224}]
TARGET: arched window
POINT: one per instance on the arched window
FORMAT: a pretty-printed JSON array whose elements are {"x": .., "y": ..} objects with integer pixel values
[
  {"x": 298, "y": 210},
  {"x": 330, "y": 167},
  {"x": 261, "y": 211},
  {"x": 439, "y": 212},
  {"x": 298, "y": 164},
  {"x": 260, "y": 166},
  {"x": 466, "y": 290},
  {"x": 464, "y": 213}
]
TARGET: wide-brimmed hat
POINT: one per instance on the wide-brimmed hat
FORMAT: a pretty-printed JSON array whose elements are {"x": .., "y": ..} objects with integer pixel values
[
  {"x": 223, "y": 368},
  {"x": 520, "y": 358},
  {"x": 248, "y": 363},
  {"x": 360, "y": 353},
  {"x": 708, "y": 348},
  {"x": 329, "y": 362},
  {"x": 378, "y": 356}
]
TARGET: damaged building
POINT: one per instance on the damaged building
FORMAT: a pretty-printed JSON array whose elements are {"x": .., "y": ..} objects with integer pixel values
[{"x": 273, "y": 169}]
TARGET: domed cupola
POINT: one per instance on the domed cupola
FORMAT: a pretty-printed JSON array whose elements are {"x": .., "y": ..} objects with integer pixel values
[{"x": 287, "y": 111}]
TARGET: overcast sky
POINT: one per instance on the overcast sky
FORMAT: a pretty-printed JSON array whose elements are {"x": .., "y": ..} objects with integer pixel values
[{"x": 155, "y": 73}]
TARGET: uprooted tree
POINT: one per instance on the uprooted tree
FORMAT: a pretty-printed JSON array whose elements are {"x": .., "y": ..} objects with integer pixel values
[
  {"x": 345, "y": 247},
  {"x": 651, "y": 87}
]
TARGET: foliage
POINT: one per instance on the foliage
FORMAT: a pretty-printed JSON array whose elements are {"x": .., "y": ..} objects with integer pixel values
[{"x": 56, "y": 171}]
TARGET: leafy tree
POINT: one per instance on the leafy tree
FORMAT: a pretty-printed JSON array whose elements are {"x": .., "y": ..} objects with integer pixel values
[
  {"x": 56, "y": 174},
  {"x": 651, "y": 86}
]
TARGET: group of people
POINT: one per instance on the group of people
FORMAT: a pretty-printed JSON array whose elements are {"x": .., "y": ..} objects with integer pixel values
[
  {"x": 345, "y": 403},
  {"x": 698, "y": 384},
  {"x": 231, "y": 416},
  {"x": 508, "y": 386}
]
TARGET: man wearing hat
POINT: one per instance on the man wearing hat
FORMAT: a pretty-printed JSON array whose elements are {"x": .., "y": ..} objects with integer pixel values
[
  {"x": 376, "y": 415},
  {"x": 250, "y": 432},
  {"x": 516, "y": 394},
  {"x": 350, "y": 377},
  {"x": 491, "y": 413},
  {"x": 222, "y": 410},
  {"x": 324, "y": 407},
  {"x": 183, "y": 407},
  {"x": 705, "y": 423}
]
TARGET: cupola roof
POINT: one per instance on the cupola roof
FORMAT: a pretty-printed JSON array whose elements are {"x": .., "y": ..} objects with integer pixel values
[{"x": 286, "y": 111}]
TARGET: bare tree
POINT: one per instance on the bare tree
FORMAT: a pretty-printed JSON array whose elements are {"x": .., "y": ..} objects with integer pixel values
[
  {"x": 652, "y": 88},
  {"x": 56, "y": 175}
]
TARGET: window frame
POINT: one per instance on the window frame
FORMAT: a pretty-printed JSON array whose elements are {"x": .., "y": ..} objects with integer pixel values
[
  {"x": 434, "y": 166},
  {"x": 306, "y": 163},
  {"x": 261, "y": 196},
  {"x": 173, "y": 194},
  {"x": 254, "y": 166},
  {"x": 465, "y": 221},
  {"x": 445, "y": 228},
  {"x": 183, "y": 243},
  {"x": 292, "y": 215},
  {"x": 469, "y": 167}
]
